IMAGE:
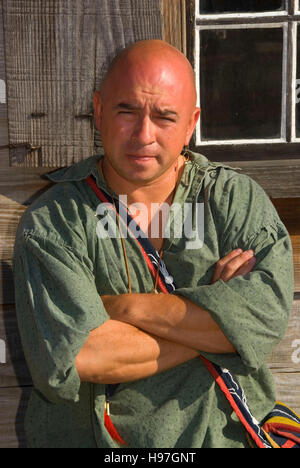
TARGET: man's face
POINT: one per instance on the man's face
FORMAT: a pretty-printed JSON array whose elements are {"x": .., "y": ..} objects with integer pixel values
[{"x": 145, "y": 117}]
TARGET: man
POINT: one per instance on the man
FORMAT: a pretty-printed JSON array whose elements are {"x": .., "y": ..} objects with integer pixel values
[{"x": 88, "y": 311}]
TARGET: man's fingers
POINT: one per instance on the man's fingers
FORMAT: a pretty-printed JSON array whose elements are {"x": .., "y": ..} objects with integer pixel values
[
  {"x": 245, "y": 269},
  {"x": 234, "y": 264},
  {"x": 221, "y": 264}
]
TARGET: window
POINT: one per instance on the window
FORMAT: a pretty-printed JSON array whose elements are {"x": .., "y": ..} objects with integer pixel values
[
  {"x": 246, "y": 56},
  {"x": 241, "y": 83}
]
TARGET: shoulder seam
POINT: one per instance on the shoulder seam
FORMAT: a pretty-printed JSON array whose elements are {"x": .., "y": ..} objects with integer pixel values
[{"x": 51, "y": 238}]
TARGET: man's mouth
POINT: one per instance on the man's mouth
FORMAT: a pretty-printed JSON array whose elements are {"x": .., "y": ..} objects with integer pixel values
[{"x": 141, "y": 157}]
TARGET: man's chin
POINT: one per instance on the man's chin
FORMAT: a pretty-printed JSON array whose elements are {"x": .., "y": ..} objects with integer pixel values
[{"x": 141, "y": 178}]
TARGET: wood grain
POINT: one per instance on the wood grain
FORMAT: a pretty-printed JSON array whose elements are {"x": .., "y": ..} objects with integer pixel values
[
  {"x": 56, "y": 54},
  {"x": 22, "y": 186},
  {"x": 10, "y": 215},
  {"x": 289, "y": 212},
  {"x": 3, "y": 130},
  {"x": 283, "y": 357},
  {"x": 279, "y": 178},
  {"x": 14, "y": 372},
  {"x": 296, "y": 254},
  {"x": 174, "y": 23},
  {"x": 12, "y": 413},
  {"x": 288, "y": 389}
]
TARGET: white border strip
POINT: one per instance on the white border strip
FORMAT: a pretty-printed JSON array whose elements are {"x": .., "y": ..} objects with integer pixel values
[{"x": 282, "y": 139}]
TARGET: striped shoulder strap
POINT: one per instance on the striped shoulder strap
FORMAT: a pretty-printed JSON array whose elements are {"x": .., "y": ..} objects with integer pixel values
[{"x": 282, "y": 425}]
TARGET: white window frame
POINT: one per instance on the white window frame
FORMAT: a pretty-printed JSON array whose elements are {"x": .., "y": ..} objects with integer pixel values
[
  {"x": 284, "y": 27},
  {"x": 204, "y": 16}
]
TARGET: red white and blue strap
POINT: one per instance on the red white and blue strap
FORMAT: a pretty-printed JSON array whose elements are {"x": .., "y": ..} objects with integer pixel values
[{"x": 223, "y": 377}]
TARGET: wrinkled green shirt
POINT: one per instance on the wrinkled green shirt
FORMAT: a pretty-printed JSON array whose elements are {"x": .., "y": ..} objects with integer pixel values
[{"x": 62, "y": 268}]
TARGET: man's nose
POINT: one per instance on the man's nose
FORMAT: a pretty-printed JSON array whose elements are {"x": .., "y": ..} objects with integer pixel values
[{"x": 144, "y": 131}]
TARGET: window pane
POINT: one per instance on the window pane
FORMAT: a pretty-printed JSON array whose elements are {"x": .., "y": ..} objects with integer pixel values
[
  {"x": 241, "y": 83},
  {"x": 240, "y": 6}
]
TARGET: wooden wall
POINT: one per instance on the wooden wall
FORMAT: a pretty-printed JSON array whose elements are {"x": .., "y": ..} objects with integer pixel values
[{"x": 20, "y": 185}]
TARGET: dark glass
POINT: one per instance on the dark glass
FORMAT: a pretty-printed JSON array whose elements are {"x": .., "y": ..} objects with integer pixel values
[
  {"x": 297, "y": 84},
  {"x": 241, "y": 83},
  {"x": 240, "y": 6}
]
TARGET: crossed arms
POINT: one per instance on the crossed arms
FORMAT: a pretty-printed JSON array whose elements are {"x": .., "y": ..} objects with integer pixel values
[{"x": 148, "y": 333}]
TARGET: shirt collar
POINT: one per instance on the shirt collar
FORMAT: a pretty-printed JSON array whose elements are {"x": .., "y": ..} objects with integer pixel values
[
  {"x": 80, "y": 171},
  {"x": 197, "y": 166}
]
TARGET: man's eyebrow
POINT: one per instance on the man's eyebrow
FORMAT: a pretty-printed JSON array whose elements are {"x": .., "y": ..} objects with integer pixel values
[
  {"x": 157, "y": 110},
  {"x": 125, "y": 105},
  {"x": 165, "y": 112}
]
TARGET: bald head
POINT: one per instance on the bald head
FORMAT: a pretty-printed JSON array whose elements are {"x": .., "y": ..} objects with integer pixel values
[
  {"x": 146, "y": 112},
  {"x": 151, "y": 54}
]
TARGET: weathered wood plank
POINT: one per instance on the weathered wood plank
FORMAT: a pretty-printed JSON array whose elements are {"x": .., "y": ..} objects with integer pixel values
[
  {"x": 56, "y": 53},
  {"x": 286, "y": 357},
  {"x": 288, "y": 389},
  {"x": 12, "y": 413},
  {"x": 10, "y": 215},
  {"x": 279, "y": 178},
  {"x": 3, "y": 132},
  {"x": 174, "y": 23},
  {"x": 296, "y": 254},
  {"x": 22, "y": 185},
  {"x": 4, "y": 159},
  {"x": 13, "y": 368},
  {"x": 289, "y": 211}
]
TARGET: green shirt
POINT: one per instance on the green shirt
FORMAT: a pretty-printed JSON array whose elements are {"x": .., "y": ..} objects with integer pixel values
[{"x": 62, "y": 267}]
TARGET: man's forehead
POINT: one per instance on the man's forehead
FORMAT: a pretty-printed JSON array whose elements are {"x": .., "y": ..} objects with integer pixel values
[
  {"x": 138, "y": 97},
  {"x": 167, "y": 73},
  {"x": 138, "y": 85}
]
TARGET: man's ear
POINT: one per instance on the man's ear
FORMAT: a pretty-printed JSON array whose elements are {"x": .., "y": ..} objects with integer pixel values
[
  {"x": 97, "y": 109},
  {"x": 192, "y": 124}
]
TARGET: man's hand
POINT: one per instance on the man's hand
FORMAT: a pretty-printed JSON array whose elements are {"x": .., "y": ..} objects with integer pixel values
[{"x": 236, "y": 263}]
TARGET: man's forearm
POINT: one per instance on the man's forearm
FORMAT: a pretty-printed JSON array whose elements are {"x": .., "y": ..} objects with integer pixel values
[
  {"x": 170, "y": 317},
  {"x": 117, "y": 352}
]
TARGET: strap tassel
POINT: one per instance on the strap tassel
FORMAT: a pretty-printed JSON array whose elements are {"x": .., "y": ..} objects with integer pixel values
[{"x": 110, "y": 427}]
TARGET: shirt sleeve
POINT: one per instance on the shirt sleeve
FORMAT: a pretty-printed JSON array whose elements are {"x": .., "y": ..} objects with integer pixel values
[
  {"x": 57, "y": 306},
  {"x": 252, "y": 310}
]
